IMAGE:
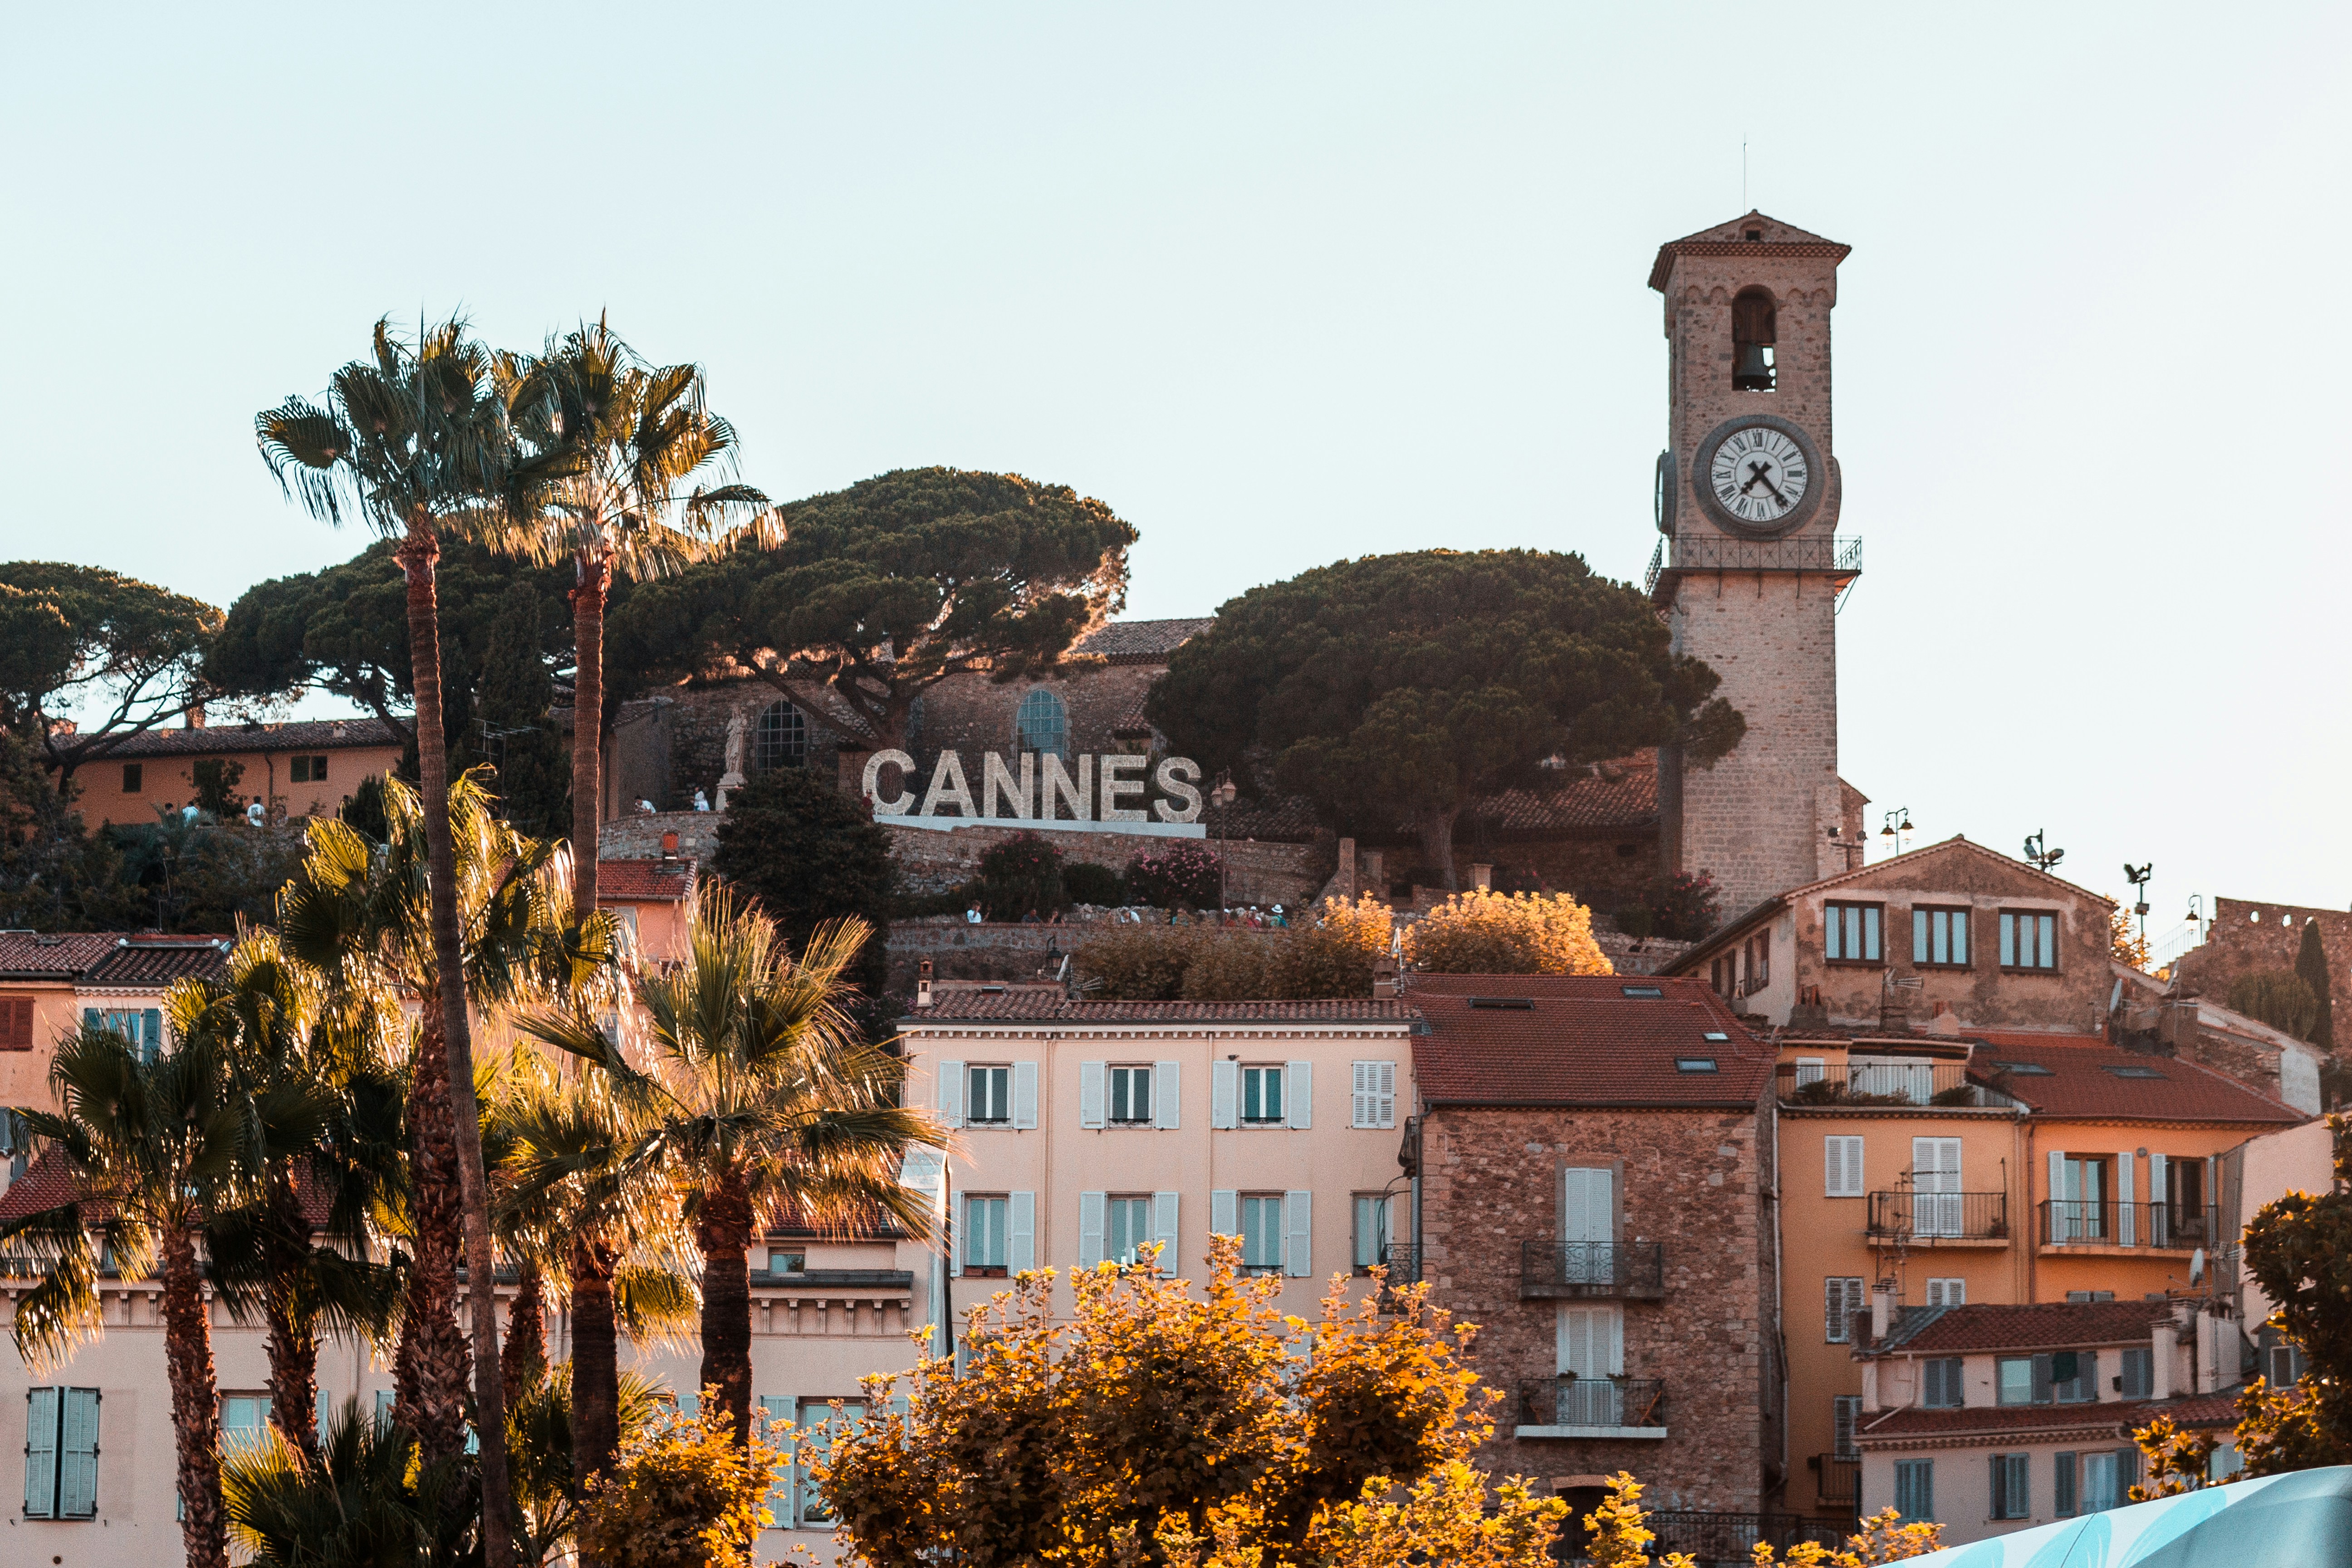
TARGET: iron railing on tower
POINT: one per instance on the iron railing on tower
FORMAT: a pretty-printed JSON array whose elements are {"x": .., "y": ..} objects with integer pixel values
[{"x": 1838, "y": 556}]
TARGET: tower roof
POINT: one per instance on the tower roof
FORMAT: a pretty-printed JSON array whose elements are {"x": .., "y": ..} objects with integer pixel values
[{"x": 1773, "y": 238}]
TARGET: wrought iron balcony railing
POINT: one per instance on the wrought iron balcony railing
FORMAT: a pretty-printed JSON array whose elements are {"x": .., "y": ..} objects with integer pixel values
[
  {"x": 1939, "y": 1216},
  {"x": 1841, "y": 555},
  {"x": 1723, "y": 1540},
  {"x": 1879, "y": 1083},
  {"x": 1608, "y": 1402},
  {"x": 1553, "y": 1269},
  {"x": 2067, "y": 1222},
  {"x": 1841, "y": 1480}
]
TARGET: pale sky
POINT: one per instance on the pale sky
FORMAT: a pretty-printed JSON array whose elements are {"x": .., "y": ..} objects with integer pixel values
[{"x": 1288, "y": 284}]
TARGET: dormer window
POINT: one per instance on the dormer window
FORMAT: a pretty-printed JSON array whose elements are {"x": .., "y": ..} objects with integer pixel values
[{"x": 1753, "y": 334}]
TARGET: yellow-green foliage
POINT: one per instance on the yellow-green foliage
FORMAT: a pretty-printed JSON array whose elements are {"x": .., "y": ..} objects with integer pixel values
[
  {"x": 1202, "y": 1428},
  {"x": 1618, "y": 1532},
  {"x": 1481, "y": 932},
  {"x": 1884, "y": 1538},
  {"x": 1331, "y": 957},
  {"x": 683, "y": 1495}
]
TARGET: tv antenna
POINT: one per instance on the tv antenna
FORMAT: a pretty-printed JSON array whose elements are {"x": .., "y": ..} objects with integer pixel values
[
  {"x": 2137, "y": 876},
  {"x": 2039, "y": 853}
]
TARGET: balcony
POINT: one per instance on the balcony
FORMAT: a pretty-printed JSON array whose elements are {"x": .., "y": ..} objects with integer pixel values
[
  {"x": 1839, "y": 557},
  {"x": 1840, "y": 1485},
  {"x": 1938, "y": 1218},
  {"x": 1569, "y": 1270},
  {"x": 1865, "y": 1083},
  {"x": 1592, "y": 1407},
  {"x": 2073, "y": 1225},
  {"x": 1403, "y": 1265}
]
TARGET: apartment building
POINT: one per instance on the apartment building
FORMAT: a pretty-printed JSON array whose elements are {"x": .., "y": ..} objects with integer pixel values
[
  {"x": 1594, "y": 1162},
  {"x": 307, "y": 768},
  {"x": 1990, "y": 1419}
]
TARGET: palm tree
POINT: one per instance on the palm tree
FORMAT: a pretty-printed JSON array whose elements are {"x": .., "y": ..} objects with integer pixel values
[
  {"x": 268, "y": 1025},
  {"x": 764, "y": 1099},
  {"x": 577, "y": 1194},
  {"x": 411, "y": 440},
  {"x": 616, "y": 448},
  {"x": 357, "y": 914},
  {"x": 147, "y": 1150}
]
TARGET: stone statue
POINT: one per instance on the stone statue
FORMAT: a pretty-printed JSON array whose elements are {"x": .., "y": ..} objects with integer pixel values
[{"x": 733, "y": 779}]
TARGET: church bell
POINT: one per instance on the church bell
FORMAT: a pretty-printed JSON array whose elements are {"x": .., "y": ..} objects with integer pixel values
[{"x": 1752, "y": 370}]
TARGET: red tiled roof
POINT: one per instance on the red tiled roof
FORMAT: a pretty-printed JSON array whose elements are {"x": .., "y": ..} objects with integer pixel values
[
  {"x": 154, "y": 962},
  {"x": 869, "y": 1225},
  {"x": 1581, "y": 1041},
  {"x": 2080, "y": 1081},
  {"x": 28, "y": 955},
  {"x": 960, "y": 1005},
  {"x": 643, "y": 881},
  {"x": 2036, "y": 1326},
  {"x": 47, "y": 1183},
  {"x": 306, "y": 735},
  {"x": 1997, "y": 1421},
  {"x": 1142, "y": 642}
]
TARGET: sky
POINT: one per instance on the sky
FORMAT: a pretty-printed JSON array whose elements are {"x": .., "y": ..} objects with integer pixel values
[{"x": 1288, "y": 285}]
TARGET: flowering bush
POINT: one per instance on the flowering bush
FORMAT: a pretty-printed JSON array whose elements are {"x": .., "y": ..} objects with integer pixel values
[
  {"x": 683, "y": 1495},
  {"x": 1331, "y": 958},
  {"x": 1495, "y": 933},
  {"x": 1021, "y": 875},
  {"x": 1182, "y": 876}
]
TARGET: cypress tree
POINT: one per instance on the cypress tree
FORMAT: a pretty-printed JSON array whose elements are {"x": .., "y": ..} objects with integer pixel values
[
  {"x": 2311, "y": 966},
  {"x": 513, "y": 695}
]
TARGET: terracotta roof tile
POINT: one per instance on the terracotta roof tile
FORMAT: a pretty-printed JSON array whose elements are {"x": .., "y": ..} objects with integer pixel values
[
  {"x": 961, "y": 1006},
  {"x": 2037, "y": 1326},
  {"x": 644, "y": 882},
  {"x": 152, "y": 963},
  {"x": 1143, "y": 642},
  {"x": 304, "y": 735},
  {"x": 2086, "y": 1077},
  {"x": 1580, "y": 1040},
  {"x": 1998, "y": 1421},
  {"x": 28, "y": 955},
  {"x": 47, "y": 1183}
]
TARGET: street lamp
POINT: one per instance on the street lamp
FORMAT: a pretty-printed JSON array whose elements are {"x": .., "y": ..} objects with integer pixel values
[{"x": 1222, "y": 797}]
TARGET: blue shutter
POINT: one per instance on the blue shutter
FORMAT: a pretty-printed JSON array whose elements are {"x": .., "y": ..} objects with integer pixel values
[
  {"x": 78, "y": 1455},
  {"x": 151, "y": 1034},
  {"x": 41, "y": 1453}
]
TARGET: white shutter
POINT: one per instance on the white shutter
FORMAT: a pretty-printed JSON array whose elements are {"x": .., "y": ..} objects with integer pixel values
[
  {"x": 781, "y": 1407},
  {"x": 2162, "y": 1223},
  {"x": 1091, "y": 1077},
  {"x": 1592, "y": 1341},
  {"x": 1091, "y": 1207},
  {"x": 1299, "y": 1094},
  {"x": 1224, "y": 1096},
  {"x": 1024, "y": 1094},
  {"x": 1387, "y": 1085},
  {"x": 959, "y": 1222},
  {"x": 41, "y": 1453},
  {"x": 1841, "y": 1166},
  {"x": 1225, "y": 1214},
  {"x": 951, "y": 1093},
  {"x": 1020, "y": 1231},
  {"x": 1166, "y": 1081},
  {"x": 1299, "y": 1243},
  {"x": 1360, "y": 1110},
  {"x": 2127, "y": 1222},
  {"x": 2064, "y": 1224},
  {"x": 1163, "y": 1227},
  {"x": 1616, "y": 1342},
  {"x": 78, "y": 1455}
]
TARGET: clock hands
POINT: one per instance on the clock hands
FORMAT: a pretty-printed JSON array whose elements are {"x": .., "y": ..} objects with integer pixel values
[{"x": 1761, "y": 474}]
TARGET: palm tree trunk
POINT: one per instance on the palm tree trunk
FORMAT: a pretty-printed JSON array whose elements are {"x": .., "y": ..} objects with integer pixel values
[
  {"x": 522, "y": 1359},
  {"x": 196, "y": 1403},
  {"x": 293, "y": 1332},
  {"x": 417, "y": 553},
  {"x": 595, "y": 1364},
  {"x": 587, "y": 726},
  {"x": 723, "y": 1232},
  {"x": 430, "y": 1368}
]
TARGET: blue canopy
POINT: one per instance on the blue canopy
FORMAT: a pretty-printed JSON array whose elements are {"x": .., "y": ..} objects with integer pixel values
[{"x": 2298, "y": 1520}]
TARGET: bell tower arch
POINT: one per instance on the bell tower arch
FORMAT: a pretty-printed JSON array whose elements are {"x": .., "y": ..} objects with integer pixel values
[{"x": 1751, "y": 565}]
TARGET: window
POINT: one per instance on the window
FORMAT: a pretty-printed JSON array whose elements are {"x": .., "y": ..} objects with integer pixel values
[
  {"x": 2283, "y": 1366},
  {"x": 2075, "y": 1376},
  {"x": 1372, "y": 1230},
  {"x": 990, "y": 1096},
  {"x": 2106, "y": 1481},
  {"x": 1842, "y": 1299},
  {"x": 16, "y": 1023},
  {"x": 784, "y": 1260},
  {"x": 1130, "y": 1095},
  {"x": 818, "y": 1422},
  {"x": 1694, "y": 1064},
  {"x": 307, "y": 770},
  {"x": 1261, "y": 1233},
  {"x": 1752, "y": 335},
  {"x": 1940, "y": 1387},
  {"x": 1042, "y": 724},
  {"x": 1914, "y": 1490},
  {"x": 2137, "y": 1380},
  {"x": 1939, "y": 938},
  {"x": 1937, "y": 1207},
  {"x": 1262, "y": 1096},
  {"x": 779, "y": 740},
  {"x": 1851, "y": 932},
  {"x": 2012, "y": 1492},
  {"x": 134, "y": 778},
  {"x": 1842, "y": 1165},
  {"x": 1657, "y": 992},
  {"x": 2029, "y": 939},
  {"x": 1128, "y": 1223},
  {"x": 15, "y": 1146},
  {"x": 2032, "y": 1380},
  {"x": 2078, "y": 1296},
  {"x": 1948, "y": 1292},
  {"x": 1373, "y": 1100},
  {"x": 245, "y": 1420},
  {"x": 1845, "y": 1409},
  {"x": 985, "y": 1250},
  {"x": 62, "y": 1453},
  {"x": 142, "y": 1027}
]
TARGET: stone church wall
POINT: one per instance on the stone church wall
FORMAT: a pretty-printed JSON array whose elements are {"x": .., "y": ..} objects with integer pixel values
[{"x": 2247, "y": 938}]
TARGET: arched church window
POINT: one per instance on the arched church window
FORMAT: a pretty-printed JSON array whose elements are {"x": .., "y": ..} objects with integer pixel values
[
  {"x": 1042, "y": 724},
  {"x": 781, "y": 739},
  {"x": 1752, "y": 337}
]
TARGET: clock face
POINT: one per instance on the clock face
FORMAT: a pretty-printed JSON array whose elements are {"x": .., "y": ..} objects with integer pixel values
[{"x": 1759, "y": 475}]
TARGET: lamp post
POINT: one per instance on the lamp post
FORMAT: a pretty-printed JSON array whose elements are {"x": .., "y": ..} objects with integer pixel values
[{"x": 1223, "y": 798}]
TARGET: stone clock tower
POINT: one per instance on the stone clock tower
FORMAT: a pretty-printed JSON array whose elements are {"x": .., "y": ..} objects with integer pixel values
[{"x": 1750, "y": 569}]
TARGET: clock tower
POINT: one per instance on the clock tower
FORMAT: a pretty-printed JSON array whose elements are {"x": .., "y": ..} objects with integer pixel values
[{"x": 1751, "y": 566}]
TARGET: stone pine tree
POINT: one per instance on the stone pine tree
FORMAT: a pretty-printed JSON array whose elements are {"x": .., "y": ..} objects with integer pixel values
[{"x": 2311, "y": 966}]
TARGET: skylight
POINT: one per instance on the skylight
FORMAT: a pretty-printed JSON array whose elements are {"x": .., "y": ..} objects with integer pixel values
[
  {"x": 1716, "y": 1035},
  {"x": 1642, "y": 990},
  {"x": 2136, "y": 1072},
  {"x": 1694, "y": 1064},
  {"x": 1510, "y": 1003},
  {"x": 2023, "y": 1070}
]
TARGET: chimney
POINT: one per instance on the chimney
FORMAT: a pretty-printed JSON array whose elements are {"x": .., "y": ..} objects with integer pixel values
[
  {"x": 1346, "y": 879},
  {"x": 1881, "y": 1312},
  {"x": 1384, "y": 978},
  {"x": 669, "y": 844},
  {"x": 1894, "y": 1011},
  {"x": 2166, "y": 1352},
  {"x": 2209, "y": 1330},
  {"x": 1376, "y": 881},
  {"x": 1482, "y": 876},
  {"x": 195, "y": 719},
  {"x": 923, "y": 986}
]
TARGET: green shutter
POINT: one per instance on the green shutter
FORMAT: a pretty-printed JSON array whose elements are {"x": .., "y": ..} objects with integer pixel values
[
  {"x": 41, "y": 1453},
  {"x": 780, "y": 1407},
  {"x": 78, "y": 1455}
]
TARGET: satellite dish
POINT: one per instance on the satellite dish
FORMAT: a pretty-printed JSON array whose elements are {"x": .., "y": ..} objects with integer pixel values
[{"x": 2197, "y": 1266}]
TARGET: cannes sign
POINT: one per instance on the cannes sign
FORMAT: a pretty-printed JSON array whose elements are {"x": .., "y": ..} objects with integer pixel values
[{"x": 1094, "y": 795}]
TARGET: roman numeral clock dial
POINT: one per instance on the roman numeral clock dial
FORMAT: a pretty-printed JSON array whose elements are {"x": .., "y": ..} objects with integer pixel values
[{"x": 1759, "y": 475}]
